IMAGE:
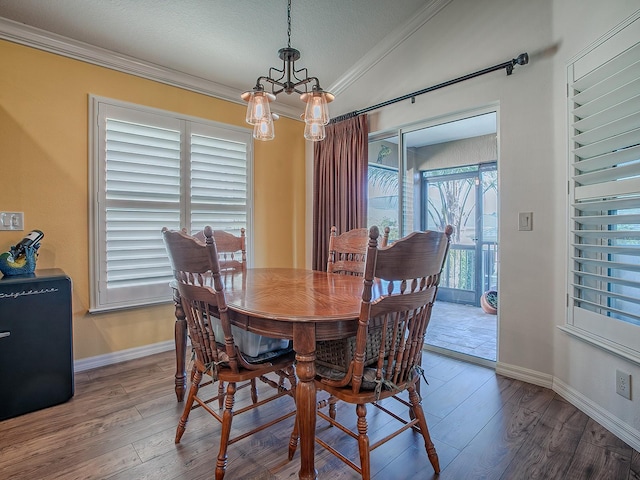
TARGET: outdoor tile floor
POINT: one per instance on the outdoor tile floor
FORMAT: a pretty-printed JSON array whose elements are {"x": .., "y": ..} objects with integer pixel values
[{"x": 463, "y": 328}]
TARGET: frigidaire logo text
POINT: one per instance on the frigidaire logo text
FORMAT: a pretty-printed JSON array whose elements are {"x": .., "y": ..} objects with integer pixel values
[{"x": 28, "y": 292}]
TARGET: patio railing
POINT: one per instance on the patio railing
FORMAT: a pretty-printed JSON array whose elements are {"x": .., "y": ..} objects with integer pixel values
[{"x": 460, "y": 273}]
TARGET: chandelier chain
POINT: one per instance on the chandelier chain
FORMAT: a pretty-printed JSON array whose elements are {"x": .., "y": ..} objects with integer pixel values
[{"x": 289, "y": 24}]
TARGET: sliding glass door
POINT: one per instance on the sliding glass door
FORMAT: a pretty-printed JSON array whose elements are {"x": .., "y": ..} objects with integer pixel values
[
  {"x": 466, "y": 198},
  {"x": 426, "y": 177}
]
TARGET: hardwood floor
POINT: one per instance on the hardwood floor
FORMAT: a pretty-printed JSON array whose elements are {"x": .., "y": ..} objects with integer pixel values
[{"x": 121, "y": 423}]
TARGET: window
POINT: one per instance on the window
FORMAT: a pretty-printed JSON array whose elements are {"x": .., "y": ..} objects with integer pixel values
[
  {"x": 382, "y": 208},
  {"x": 604, "y": 244},
  {"x": 152, "y": 169}
]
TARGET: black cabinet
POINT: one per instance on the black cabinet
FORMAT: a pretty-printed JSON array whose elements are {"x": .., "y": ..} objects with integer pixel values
[{"x": 36, "y": 350}]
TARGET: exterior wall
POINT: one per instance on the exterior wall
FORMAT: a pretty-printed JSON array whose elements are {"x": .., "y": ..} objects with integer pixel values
[{"x": 44, "y": 154}]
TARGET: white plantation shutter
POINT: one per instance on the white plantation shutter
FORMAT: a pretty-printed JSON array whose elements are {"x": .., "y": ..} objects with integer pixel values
[
  {"x": 604, "y": 269},
  {"x": 147, "y": 176},
  {"x": 218, "y": 183}
]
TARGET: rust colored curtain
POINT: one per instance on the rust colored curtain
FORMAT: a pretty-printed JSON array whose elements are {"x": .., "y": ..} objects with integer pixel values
[{"x": 339, "y": 183}]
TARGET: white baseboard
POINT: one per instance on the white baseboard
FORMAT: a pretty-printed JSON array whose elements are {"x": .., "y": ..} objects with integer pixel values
[
  {"x": 525, "y": 375},
  {"x": 612, "y": 423},
  {"x": 122, "y": 356}
]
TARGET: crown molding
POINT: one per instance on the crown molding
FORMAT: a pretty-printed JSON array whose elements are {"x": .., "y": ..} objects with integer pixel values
[
  {"x": 387, "y": 45},
  {"x": 50, "y": 42}
]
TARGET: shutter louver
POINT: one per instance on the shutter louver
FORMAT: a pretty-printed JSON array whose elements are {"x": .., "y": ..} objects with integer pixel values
[
  {"x": 218, "y": 184},
  {"x": 142, "y": 196},
  {"x": 605, "y": 260}
]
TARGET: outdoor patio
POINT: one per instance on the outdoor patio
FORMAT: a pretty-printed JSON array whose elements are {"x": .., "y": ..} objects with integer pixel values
[{"x": 464, "y": 329}]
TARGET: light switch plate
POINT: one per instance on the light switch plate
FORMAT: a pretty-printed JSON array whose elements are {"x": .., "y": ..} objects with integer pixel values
[
  {"x": 11, "y": 221},
  {"x": 525, "y": 221}
]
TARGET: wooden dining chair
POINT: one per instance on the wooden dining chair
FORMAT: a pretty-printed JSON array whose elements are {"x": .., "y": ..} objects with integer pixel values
[
  {"x": 232, "y": 249},
  {"x": 347, "y": 255},
  {"x": 196, "y": 269},
  {"x": 400, "y": 286},
  {"x": 347, "y": 251},
  {"x": 232, "y": 256}
]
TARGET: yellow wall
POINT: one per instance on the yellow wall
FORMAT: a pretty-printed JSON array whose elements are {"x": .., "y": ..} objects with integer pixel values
[{"x": 44, "y": 160}]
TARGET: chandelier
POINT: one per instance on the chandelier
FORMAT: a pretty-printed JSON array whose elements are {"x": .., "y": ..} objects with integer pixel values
[{"x": 288, "y": 80}]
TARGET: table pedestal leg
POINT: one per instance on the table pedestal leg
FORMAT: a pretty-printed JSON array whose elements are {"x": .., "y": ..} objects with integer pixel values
[
  {"x": 304, "y": 343},
  {"x": 181, "y": 347}
]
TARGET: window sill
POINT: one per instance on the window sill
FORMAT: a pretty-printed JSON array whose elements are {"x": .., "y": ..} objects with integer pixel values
[{"x": 602, "y": 343}]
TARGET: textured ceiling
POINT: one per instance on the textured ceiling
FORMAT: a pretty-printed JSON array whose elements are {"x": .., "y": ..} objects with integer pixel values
[{"x": 229, "y": 42}]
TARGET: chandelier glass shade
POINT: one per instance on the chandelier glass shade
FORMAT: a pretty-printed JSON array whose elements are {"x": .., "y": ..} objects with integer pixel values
[
  {"x": 317, "y": 110},
  {"x": 288, "y": 80},
  {"x": 314, "y": 131},
  {"x": 258, "y": 106},
  {"x": 264, "y": 130}
]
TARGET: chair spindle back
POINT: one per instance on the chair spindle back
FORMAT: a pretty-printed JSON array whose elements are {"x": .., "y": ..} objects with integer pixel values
[
  {"x": 347, "y": 251},
  {"x": 402, "y": 280},
  {"x": 196, "y": 270}
]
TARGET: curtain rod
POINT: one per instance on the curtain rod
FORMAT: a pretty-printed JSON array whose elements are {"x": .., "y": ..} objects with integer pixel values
[{"x": 522, "y": 59}]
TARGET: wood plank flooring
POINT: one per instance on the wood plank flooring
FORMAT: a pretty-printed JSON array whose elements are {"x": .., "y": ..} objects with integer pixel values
[{"x": 121, "y": 423}]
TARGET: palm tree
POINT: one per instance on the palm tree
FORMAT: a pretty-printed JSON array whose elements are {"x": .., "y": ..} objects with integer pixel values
[
  {"x": 383, "y": 186},
  {"x": 451, "y": 207}
]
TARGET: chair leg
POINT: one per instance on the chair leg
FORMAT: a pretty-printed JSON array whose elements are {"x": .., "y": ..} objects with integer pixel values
[
  {"x": 196, "y": 378},
  {"x": 363, "y": 442},
  {"x": 293, "y": 380},
  {"x": 227, "y": 418},
  {"x": 414, "y": 398},
  {"x": 290, "y": 374},
  {"x": 220, "y": 394},
  {"x": 193, "y": 371},
  {"x": 293, "y": 440},
  {"x": 254, "y": 391},
  {"x": 332, "y": 408}
]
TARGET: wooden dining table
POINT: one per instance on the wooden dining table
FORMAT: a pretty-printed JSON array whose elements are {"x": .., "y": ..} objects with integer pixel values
[{"x": 301, "y": 305}]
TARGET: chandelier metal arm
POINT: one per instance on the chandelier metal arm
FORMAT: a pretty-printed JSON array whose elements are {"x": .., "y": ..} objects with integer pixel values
[
  {"x": 289, "y": 78},
  {"x": 288, "y": 86}
]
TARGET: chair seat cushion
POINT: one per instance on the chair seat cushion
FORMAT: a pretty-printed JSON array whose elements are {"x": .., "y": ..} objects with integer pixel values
[
  {"x": 223, "y": 358},
  {"x": 368, "y": 376},
  {"x": 337, "y": 354}
]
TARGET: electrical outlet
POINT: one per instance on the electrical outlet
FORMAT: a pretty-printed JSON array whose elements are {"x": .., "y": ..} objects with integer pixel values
[
  {"x": 11, "y": 221},
  {"x": 623, "y": 384}
]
